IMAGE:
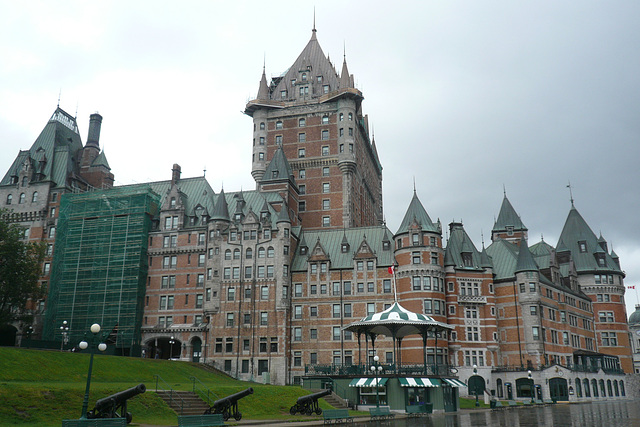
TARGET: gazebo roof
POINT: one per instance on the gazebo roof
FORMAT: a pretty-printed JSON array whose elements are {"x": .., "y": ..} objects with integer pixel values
[{"x": 398, "y": 322}]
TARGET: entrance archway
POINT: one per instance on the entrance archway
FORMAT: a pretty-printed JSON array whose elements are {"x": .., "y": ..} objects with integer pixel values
[
  {"x": 8, "y": 336},
  {"x": 196, "y": 349},
  {"x": 558, "y": 389},
  {"x": 476, "y": 385}
]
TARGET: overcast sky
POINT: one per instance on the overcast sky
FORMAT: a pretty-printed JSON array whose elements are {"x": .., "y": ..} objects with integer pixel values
[{"x": 465, "y": 97}]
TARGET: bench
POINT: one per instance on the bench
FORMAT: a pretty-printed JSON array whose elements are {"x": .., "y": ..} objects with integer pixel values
[
  {"x": 512, "y": 403},
  {"x": 548, "y": 401},
  {"x": 96, "y": 422},
  {"x": 200, "y": 420},
  {"x": 538, "y": 402},
  {"x": 527, "y": 403},
  {"x": 419, "y": 410},
  {"x": 381, "y": 413},
  {"x": 336, "y": 416}
]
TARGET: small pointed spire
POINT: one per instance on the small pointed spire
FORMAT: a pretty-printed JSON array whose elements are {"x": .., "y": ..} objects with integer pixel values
[
  {"x": 59, "y": 95},
  {"x": 263, "y": 90},
  {"x": 570, "y": 193},
  {"x": 504, "y": 190},
  {"x": 313, "y": 30}
]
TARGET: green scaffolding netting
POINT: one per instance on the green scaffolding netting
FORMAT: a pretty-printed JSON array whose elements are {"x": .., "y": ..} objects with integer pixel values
[{"x": 100, "y": 265}]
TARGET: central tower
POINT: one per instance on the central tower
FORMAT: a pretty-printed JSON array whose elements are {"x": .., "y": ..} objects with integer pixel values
[{"x": 315, "y": 115}]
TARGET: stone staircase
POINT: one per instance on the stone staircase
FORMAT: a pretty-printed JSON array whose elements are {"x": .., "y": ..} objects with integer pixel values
[
  {"x": 184, "y": 402},
  {"x": 335, "y": 401}
]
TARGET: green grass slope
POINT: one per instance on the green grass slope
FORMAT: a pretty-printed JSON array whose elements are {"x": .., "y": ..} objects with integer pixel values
[{"x": 45, "y": 387}]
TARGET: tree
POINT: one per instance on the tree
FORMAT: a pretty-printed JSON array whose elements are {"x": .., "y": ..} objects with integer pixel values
[{"x": 20, "y": 268}]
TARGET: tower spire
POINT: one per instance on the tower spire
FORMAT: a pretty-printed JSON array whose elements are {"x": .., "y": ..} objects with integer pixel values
[{"x": 570, "y": 193}]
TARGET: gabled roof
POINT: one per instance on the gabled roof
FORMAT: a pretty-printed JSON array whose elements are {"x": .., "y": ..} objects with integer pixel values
[
  {"x": 508, "y": 218},
  {"x": 542, "y": 253},
  {"x": 417, "y": 213},
  {"x": 575, "y": 232},
  {"x": 332, "y": 240},
  {"x": 505, "y": 257},
  {"x": 459, "y": 242}
]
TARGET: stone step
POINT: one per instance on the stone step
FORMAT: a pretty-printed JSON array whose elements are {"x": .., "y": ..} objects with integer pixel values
[{"x": 184, "y": 402}]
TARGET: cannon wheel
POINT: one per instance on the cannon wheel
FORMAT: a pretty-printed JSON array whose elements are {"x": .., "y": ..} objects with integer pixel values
[
  {"x": 225, "y": 415},
  {"x": 319, "y": 411},
  {"x": 292, "y": 410},
  {"x": 237, "y": 415},
  {"x": 308, "y": 410}
]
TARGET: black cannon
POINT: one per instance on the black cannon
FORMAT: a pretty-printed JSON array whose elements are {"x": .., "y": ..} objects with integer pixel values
[
  {"x": 228, "y": 406},
  {"x": 309, "y": 404},
  {"x": 108, "y": 406}
]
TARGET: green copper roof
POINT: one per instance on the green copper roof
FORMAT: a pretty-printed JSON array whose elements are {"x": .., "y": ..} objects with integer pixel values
[
  {"x": 220, "y": 210},
  {"x": 542, "y": 252},
  {"x": 331, "y": 242},
  {"x": 505, "y": 257},
  {"x": 459, "y": 243},
  {"x": 508, "y": 218},
  {"x": 279, "y": 168},
  {"x": 101, "y": 160},
  {"x": 583, "y": 244},
  {"x": 525, "y": 259},
  {"x": 58, "y": 146},
  {"x": 634, "y": 319},
  {"x": 417, "y": 213}
]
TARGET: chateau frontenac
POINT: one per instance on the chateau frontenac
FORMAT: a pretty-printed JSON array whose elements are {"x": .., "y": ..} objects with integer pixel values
[{"x": 264, "y": 283}]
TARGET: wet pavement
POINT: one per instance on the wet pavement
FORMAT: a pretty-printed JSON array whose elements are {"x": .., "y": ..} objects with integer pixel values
[{"x": 596, "y": 414}]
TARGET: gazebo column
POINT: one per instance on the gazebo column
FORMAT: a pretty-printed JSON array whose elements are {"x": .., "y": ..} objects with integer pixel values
[
  {"x": 435, "y": 353},
  {"x": 373, "y": 346},
  {"x": 424, "y": 349},
  {"x": 395, "y": 351},
  {"x": 399, "y": 354},
  {"x": 360, "y": 348}
]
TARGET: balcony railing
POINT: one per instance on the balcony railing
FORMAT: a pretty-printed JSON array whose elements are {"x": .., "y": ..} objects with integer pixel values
[
  {"x": 476, "y": 299},
  {"x": 387, "y": 369}
]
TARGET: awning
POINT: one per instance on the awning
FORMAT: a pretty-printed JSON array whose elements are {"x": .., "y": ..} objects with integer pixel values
[
  {"x": 419, "y": 382},
  {"x": 367, "y": 382},
  {"x": 454, "y": 382}
]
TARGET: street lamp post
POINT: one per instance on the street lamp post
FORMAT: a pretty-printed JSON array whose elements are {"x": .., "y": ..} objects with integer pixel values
[
  {"x": 475, "y": 372},
  {"x": 95, "y": 330},
  {"x": 376, "y": 369},
  {"x": 64, "y": 330},
  {"x": 531, "y": 379},
  {"x": 172, "y": 342}
]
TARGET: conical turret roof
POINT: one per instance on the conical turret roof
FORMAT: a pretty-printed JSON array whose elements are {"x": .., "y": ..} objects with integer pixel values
[
  {"x": 279, "y": 169},
  {"x": 221, "y": 208},
  {"x": 525, "y": 259},
  {"x": 508, "y": 217},
  {"x": 416, "y": 212}
]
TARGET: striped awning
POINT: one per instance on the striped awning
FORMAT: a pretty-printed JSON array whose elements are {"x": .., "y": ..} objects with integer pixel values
[
  {"x": 419, "y": 382},
  {"x": 368, "y": 382},
  {"x": 454, "y": 382}
]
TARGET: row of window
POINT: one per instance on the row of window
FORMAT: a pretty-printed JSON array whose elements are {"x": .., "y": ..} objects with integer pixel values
[
  {"x": 166, "y": 302},
  {"x": 614, "y": 388},
  {"x": 269, "y": 252},
  {"x": 22, "y": 198},
  {"x": 172, "y": 241},
  {"x": 262, "y": 271},
  {"x": 347, "y": 288},
  {"x": 166, "y": 321},
  {"x": 427, "y": 283}
]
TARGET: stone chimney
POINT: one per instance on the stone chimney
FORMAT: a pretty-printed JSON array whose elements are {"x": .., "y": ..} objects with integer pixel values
[
  {"x": 95, "y": 122},
  {"x": 175, "y": 173}
]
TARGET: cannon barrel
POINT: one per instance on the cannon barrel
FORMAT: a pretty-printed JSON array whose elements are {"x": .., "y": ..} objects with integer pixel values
[
  {"x": 230, "y": 400},
  {"x": 314, "y": 396},
  {"x": 117, "y": 398}
]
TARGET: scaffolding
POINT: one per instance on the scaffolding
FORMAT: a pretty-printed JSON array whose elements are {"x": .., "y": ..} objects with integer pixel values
[{"x": 100, "y": 265}]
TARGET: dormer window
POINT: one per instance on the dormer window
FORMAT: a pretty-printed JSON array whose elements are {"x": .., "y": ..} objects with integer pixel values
[
  {"x": 304, "y": 77},
  {"x": 325, "y": 89},
  {"x": 319, "y": 78},
  {"x": 467, "y": 260},
  {"x": 415, "y": 239},
  {"x": 344, "y": 248},
  {"x": 601, "y": 260},
  {"x": 509, "y": 230},
  {"x": 283, "y": 94},
  {"x": 582, "y": 245},
  {"x": 274, "y": 174},
  {"x": 303, "y": 250},
  {"x": 172, "y": 203},
  {"x": 237, "y": 217},
  {"x": 385, "y": 245}
]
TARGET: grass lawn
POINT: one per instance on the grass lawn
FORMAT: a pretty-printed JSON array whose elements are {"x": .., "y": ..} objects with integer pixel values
[{"x": 41, "y": 388}]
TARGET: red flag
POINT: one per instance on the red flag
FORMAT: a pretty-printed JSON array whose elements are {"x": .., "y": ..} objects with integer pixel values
[
  {"x": 631, "y": 287},
  {"x": 392, "y": 269}
]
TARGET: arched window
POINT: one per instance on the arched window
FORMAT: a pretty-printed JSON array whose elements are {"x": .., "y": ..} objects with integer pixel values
[
  {"x": 603, "y": 391},
  {"x": 9, "y": 198},
  {"x": 594, "y": 387},
  {"x": 578, "y": 387},
  {"x": 34, "y": 198},
  {"x": 227, "y": 254},
  {"x": 609, "y": 388},
  {"x": 350, "y": 116},
  {"x": 260, "y": 252},
  {"x": 236, "y": 254},
  {"x": 341, "y": 117},
  {"x": 615, "y": 388},
  {"x": 21, "y": 201},
  {"x": 270, "y": 252},
  {"x": 587, "y": 391},
  {"x": 499, "y": 387},
  {"x": 622, "y": 393},
  {"x": 302, "y": 122},
  {"x": 249, "y": 253},
  {"x": 523, "y": 388},
  {"x": 261, "y": 125},
  {"x": 25, "y": 181}
]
